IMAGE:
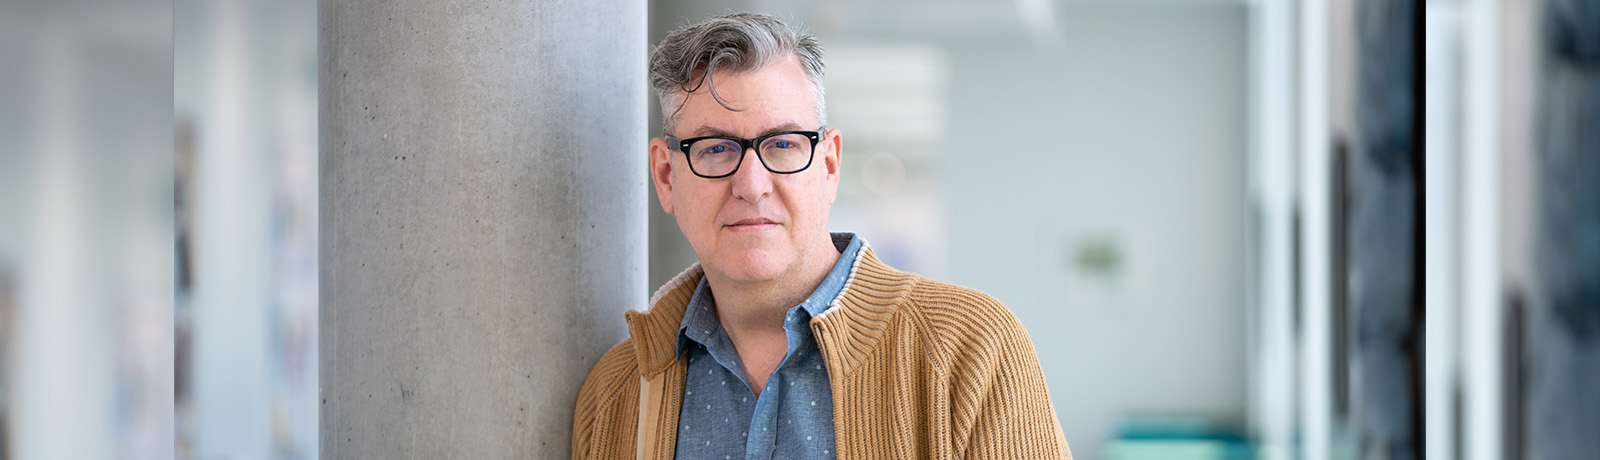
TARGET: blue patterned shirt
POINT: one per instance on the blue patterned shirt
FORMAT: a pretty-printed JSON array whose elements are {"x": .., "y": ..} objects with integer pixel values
[{"x": 793, "y": 417}]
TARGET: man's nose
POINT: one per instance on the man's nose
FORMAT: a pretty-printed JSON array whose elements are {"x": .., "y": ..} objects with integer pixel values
[{"x": 752, "y": 181}]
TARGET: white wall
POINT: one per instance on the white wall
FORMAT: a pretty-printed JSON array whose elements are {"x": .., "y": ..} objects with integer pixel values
[{"x": 1132, "y": 131}]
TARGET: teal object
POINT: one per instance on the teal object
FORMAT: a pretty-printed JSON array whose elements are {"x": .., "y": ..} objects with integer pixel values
[{"x": 1177, "y": 438}]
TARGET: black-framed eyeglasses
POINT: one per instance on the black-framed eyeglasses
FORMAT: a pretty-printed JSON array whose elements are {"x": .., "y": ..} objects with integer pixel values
[{"x": 715, "y": 157}]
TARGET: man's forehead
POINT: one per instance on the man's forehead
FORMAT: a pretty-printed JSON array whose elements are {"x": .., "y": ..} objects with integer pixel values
[
  {"x": 771, "y": 98},
  {"x": 712, "y": 130}
]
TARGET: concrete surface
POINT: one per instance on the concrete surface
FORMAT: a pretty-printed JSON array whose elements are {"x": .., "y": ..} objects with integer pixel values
[{"x": 482, "y": 219}]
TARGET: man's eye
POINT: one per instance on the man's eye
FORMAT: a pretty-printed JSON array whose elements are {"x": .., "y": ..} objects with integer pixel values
[
  {"x": 783, "y": 145},
  {"x": 717, "y": 149}
]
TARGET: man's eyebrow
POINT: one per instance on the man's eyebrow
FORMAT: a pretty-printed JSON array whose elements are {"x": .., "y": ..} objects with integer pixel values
[{"x": 710, "y": 131}]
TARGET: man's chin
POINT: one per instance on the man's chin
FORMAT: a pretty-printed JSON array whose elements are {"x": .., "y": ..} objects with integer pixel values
[{"x": 755, "y": 267}]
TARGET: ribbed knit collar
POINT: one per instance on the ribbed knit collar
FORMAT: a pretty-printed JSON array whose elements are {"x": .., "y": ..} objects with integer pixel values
[{"x": 859, "y": 314}]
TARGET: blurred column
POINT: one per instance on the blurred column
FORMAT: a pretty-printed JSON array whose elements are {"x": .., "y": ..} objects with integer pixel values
[
  {"x": 482, "y": 219},
  {"x": 1272, "y": 173},
  {"x": 1442, "y": 186},
  {"x": 1482, "y": 414},
  {"x": 1378, "y": 285},
  {"x": 1314, "y": 257},
  {"x": 1560, "y": 325}
]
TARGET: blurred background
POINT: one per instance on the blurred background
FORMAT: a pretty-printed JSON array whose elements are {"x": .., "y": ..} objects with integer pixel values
[
  {"x": 1209, "y": 215},
  {"x": 86, "y": 226},
  {"x": 1513, "y": 245}
]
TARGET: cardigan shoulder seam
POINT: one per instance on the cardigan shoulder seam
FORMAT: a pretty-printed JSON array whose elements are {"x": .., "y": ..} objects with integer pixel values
[
  {"x": 955, "y": 318},
  {"x": 932, "y": 337}
]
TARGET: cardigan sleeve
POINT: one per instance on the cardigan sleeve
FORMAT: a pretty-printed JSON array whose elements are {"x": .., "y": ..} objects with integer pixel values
[
  {"x": 1000, "y": 404},
  {"x": 607, "y": 407}
]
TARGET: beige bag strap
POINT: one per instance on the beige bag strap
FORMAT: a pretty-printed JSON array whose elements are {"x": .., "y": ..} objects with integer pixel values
[{"x": 650, "y": 393}]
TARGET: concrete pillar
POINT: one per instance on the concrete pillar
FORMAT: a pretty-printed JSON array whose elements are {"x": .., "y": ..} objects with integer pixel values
[{"x": 482, "y": 219}]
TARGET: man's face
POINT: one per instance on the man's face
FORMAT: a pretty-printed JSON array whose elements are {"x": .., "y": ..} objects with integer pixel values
[{"x": 753, "y": 226}]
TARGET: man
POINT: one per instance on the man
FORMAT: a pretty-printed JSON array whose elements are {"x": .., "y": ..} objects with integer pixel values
[{"x": 786, "y": 341}]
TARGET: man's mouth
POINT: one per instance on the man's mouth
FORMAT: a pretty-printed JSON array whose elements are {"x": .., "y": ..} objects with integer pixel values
[{"x": 755, "y": 223}]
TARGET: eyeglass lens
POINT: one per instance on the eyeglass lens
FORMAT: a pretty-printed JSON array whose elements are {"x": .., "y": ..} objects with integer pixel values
[{"x": 784, "y": 153}]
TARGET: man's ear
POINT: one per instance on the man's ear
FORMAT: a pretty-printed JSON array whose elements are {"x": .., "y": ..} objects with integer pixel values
[
  {"x": 833, "y": 160},
  {"x": 661, "y": 172}
]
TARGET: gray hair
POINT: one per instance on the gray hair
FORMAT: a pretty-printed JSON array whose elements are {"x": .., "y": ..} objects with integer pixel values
[{"x": 737, "y": 42}]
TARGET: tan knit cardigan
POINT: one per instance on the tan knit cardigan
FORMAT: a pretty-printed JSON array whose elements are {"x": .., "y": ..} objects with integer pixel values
[{"x": 920, "y": 369}]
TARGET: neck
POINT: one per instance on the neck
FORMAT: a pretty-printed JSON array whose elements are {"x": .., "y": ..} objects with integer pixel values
[
  {"x": 752, "y": 313},
  {"x": 756, "y": 309}
]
